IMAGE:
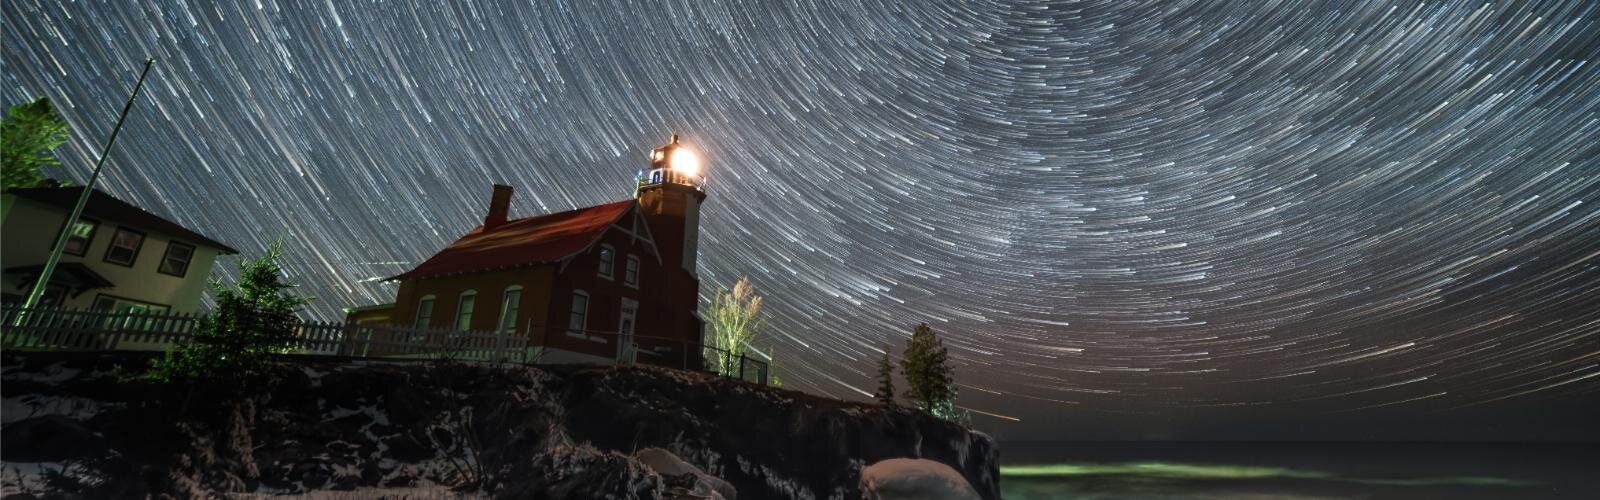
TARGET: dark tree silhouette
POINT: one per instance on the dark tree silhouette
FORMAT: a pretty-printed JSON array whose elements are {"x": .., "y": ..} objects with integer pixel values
[
  {"x": 30, "y": 132},
  {"x": 929, "y": 380},
  {"x": 885, "y": 394}
]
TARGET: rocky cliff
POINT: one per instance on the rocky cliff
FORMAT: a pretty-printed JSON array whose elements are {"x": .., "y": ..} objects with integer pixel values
[{"x": 85, "y": 425}]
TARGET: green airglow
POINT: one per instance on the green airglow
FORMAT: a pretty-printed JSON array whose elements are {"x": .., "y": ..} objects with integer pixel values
[
  {"x": 1166, "y": 470},
  {"x": 1159, "y": 469}
]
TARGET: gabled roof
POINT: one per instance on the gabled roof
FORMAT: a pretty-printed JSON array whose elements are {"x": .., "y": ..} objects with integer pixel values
[
  {"x": 520, "y": 242},
  {"x": 104, "y": 207}
]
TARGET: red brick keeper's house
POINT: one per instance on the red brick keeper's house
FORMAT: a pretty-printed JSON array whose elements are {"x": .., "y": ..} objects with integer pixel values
[{"x": 608, "y": 283}]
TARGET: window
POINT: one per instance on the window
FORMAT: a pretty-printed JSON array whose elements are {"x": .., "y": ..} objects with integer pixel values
[
  {"x": 176, "y": 261},
  {"x": 630, "y": 277},
  {"x": 627, "y": 352},
  {"x": 578, "y": 319},
  {"x": 509, "y": 303},
  {"x": 80, "y": 236},
  {"x": 133, "y": 314},
  {"x": 124, "y": 247},
  {"x": 464, "y": 305},
  {"x": 113, "y": 304},
  {"x": 608, "y": 258},
  {"x": 424, "y": 311}
]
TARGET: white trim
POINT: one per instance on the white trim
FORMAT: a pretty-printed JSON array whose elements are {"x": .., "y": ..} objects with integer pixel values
[
  {"x": 500, "y": 325},
  {"x": 637, "y": 270},
  {"x": 416, "y": 319},
  {"x": 456, "y": 322},
  {"x": 627, "y": 348},
  {"x": 608, "y": 271},
  {"x": 639, "y": 221},
  {"x": 582, "y": 330},
  {"x": 562, "y": 262},
  {"x": 590, "y": 246}
]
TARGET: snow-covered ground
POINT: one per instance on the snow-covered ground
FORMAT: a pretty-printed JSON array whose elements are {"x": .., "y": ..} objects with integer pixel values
[{"x": 332, "y": 429}]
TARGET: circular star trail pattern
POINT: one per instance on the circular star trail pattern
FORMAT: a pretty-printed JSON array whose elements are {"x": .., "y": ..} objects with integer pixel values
[{"x": 1103, "y": 207}]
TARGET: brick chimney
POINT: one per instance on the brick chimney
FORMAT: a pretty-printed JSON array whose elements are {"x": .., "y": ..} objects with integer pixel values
[{"x": 499, "y": 207}]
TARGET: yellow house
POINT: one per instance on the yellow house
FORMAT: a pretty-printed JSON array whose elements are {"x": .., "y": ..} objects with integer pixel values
[{"x": 118, "y": 258}]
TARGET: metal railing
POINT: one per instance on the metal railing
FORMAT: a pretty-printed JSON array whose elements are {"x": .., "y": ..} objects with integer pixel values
[{"x": 739, "y": 366}]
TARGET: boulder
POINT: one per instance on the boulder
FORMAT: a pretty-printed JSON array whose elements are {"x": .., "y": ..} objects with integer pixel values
[{"x": 912, "y": 478}]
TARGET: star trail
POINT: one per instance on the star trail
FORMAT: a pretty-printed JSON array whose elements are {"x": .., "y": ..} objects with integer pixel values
[{"x": 1103, "y": 207}]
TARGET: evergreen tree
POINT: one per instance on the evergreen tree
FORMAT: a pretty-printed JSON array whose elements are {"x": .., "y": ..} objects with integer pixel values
[
  {"x": 885, "y": 394},
  {"x": 929, "y": 380},
  {"x": 250, "y": 324},
  {"x": 27, "y": 135}
]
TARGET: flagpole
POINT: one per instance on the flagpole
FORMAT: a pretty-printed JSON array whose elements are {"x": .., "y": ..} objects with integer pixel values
[{"x": 83, "y": 199}]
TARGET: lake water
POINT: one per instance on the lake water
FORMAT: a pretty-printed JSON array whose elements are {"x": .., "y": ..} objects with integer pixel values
[{"x": 1298, "y": 471}]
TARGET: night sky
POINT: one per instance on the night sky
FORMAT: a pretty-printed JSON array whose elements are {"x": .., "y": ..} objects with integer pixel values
[{"x": 1163, "y": 220}]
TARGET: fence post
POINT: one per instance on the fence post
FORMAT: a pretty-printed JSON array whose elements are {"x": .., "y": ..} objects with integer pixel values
[
  {"x": 352, "y": 332},
  {"x": 500, "y": 347}
]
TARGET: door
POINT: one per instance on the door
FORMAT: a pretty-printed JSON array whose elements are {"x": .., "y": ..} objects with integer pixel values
[{"x": 626, "y": 350}]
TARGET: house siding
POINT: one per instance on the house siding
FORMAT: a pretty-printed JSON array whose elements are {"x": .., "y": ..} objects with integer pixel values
[
  {"x": 657, "y": 324},
  {"x": 661, "y": 331},
  {"x": 30, "y": 228},
  {"x": 490, "y": 285}
]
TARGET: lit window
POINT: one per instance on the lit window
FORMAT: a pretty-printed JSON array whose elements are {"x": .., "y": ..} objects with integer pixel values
[
  {"x": 468, "y": 299},
  {"x": 80, "y": 237},
  {"x": 424, "y": 311},
  {"x": 608, "y": 260},
  {"x": 124, "y": 247},
  {"x": 176, "y": 261},
  {"x": 578, "y": 319},
  {"x": 631, "y": 276},
  {"x": 509, "y": 303},
  {"x": 128, "y": 314}
]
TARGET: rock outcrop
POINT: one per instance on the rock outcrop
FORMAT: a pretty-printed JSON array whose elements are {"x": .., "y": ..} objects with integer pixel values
[
  {"x": 914, "y": 479},
  {"x": 85, "y": 425}
]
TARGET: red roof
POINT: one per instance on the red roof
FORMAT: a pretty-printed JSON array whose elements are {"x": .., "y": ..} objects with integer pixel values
[{"x": 530, "y": 240}]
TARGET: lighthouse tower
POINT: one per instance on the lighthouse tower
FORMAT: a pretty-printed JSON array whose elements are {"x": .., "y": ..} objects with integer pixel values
[
  {"x": 670, "y": 193},
  {"x": 669, "y": 196}
]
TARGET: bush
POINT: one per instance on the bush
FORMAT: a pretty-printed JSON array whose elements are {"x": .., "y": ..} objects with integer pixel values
[{"x": 251, "y": 323}]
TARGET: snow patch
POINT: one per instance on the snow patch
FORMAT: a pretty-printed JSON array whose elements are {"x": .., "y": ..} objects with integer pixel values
[
  {"x": 30, "y": 406},
  {"x": 667, "y": 464},
  {"x": 789, "y": 487},
  {"x": 54, "y": 374},
  {"x": 315, "y": 376}
]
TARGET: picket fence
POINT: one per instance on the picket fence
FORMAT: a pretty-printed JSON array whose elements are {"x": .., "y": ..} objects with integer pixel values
[{"x": 81, "y": 330}]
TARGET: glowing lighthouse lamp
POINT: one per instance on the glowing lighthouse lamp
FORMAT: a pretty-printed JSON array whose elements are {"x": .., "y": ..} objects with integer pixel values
[{"x": 673, "y": 164}]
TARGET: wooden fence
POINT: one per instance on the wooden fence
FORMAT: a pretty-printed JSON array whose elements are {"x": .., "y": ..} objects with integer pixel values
[{"x": 79, "y": 330}]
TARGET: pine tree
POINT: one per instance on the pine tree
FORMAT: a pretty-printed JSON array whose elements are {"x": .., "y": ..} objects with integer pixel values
[
  {"x": 885, "y": 395},
  {"x": 929, "y": 379},
  {"x": 29, "y": 133},
  {"x": 250, "y": 324}
]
